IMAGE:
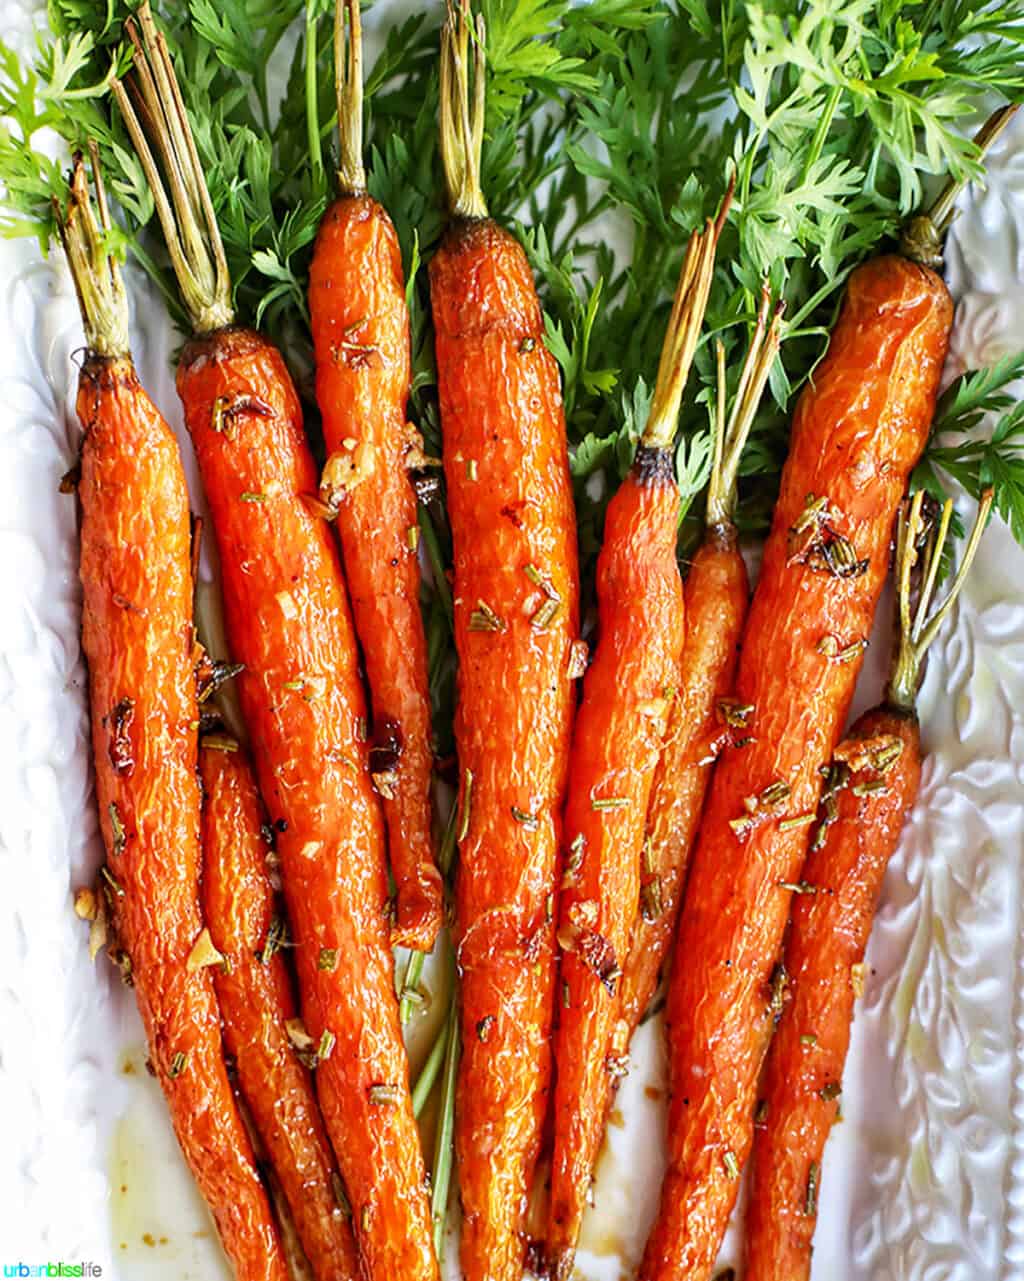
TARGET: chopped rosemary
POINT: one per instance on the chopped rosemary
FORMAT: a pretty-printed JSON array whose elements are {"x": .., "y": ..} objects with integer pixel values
[
  {"x": 110, "y": 879},
  {"x": 830, "y": 1091},
  {"x": 277, "y": 938},
  {"x": 529, "y": 821},
  {"x": 732, "y": 1166},
  {"x": 778, "y": 983},
  {"x": 809, "y": 1039},
  {"x": 117, "y": 834},
  {"x": 472, "y": 471},
  {"x": 798, "y": 887},
  {"x": 483, "y": 1027},
  {"x": 761, "y": 1112},
  {"x": 541, "y": 580},
  {"x": 733, "y": 713},
  {"x": 383, "y": 1095},
  {"x": 566, "y": 995},
  {"x": 412, "y": 538},
  {"x": 250, "y": 496},
  {"x": 651, "y": 900},
  {"x": 873, "y": 787},
  {"x": 178, "y": 1064},
  {"x": 220, "y": 743},
  {"x": 798, "y": 820},
  {"x": 609, "y": 803},
  {"x": 546, "y": 615},
  {"x": 811, "y": 1201},
  {"x": 467, "y": 801},
  {"x": 328, "y": 959},
  {"x": 484, "y": 619},
  {"x": 326, "y": 1047},
  {"x": 528, "y": 344}
]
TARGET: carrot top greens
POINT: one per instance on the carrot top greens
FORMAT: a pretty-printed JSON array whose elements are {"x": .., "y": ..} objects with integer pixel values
[{"x": 614, "y": 123}]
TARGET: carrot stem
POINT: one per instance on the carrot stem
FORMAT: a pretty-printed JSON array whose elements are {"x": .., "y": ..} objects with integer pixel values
[
  {"x": 462, "y": 124},
  {"x": 348, "y": 83},
  {"x": 316, "y": 159},
  {"x": 443, "y": 1147},
  {"x": 186, "y": 217},
  {"x": 95, "y": 272},
  {"x": 917, "y": 631}
]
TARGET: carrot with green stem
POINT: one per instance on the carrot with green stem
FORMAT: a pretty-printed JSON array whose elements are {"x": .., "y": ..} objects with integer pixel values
[
  {"x": 288, "y": 622},
  {"x": 254, "y": 990},
  {"x": 139, "y": 641},
  {"x": 360, "y": 326},
  {"x": 516, "y": 631},
  {"x": 703, "y": 716},
  {"x": 858, "y": 431},
  {"x": 876, "y": 774},
  {"x": 617, "y": 741}
]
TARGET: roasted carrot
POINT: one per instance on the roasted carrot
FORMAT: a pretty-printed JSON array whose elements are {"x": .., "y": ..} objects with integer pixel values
[
  {"x": 138, "y": 639},
  {"x": 617, "y": 741},
  {"x": 257, "y": 1006},
  {"x": 361, "y": 338},
  {"x": 702, "y": 716},
  {"x": 876, "y": 773},
  {"x": 516, "y": 619},
  {"x": 858, "y": 430},
  {"x": 288, "y": 622}
]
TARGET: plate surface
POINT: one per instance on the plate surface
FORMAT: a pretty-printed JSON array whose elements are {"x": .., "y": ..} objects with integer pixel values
[{"x": 923, "y": 1180}]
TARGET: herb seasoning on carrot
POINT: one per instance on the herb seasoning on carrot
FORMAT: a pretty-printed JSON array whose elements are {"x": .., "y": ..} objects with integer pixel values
[
  {"x": 877, "y": 771},
  {"x": 244, "y": 951},
  {"x": 288, "y": 622},
  {"x": 139, "y": 642},
  {"x": 703, "y": 716},
  {"x": 516, "y": 605},
  {"x": 360, "y": 329},
  {"x": 617, "y": 741},
  {"x": 858, "y": 430}
]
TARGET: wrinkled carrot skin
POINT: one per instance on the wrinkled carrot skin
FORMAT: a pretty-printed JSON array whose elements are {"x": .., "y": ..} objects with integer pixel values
[
  {"x": 256, "y": 1001},
  {"x": 138, "y": 640},
  {"x": 827, "y": 937},
  {"x": 288, "y": 621},
  {"x": 620, "y": 729},
  {"x": 857, "y": 432},
  {"x": 717, "y": 594},
  {"x": 361, "y": 338},
  {"x": 510, "y": 506}
]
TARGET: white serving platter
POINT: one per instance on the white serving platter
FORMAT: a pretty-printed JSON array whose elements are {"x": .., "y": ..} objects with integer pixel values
[{"x": 924, "y": 1178}]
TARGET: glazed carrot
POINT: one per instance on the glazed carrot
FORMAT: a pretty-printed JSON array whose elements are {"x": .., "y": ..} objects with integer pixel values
[
  {"x": 288, "y": 621},
  {"x": 702, "y": 716},
  {"x": 257, "y": 1005},
  {"x": 858, "y": 430},
  {"x": 876, "y": 774},
  {"x": 138, "y": 639},
  {"x": 516, "y": 605},
  {"x": 361, "y": 338},
  {"x": 617, "y": 740}
]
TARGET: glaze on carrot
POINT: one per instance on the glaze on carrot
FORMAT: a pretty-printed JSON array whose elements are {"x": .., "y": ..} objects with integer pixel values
[
  {"x": 702, "y": 716},
  {"x": 857, "y": 432},
  {"x": 876, "y": 775},
  {"x": 617, "y": 740},
  {"x": 138, "y": 639},
  {"x": 288, "y": 622},
  {"x": 516, "y": 603},
  {"x": 360, "y": 329},
  {"x": 254, "y": 990}
]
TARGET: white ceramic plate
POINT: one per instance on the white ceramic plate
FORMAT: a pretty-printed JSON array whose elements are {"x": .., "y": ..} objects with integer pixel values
[{"x": 923, "y": 1180}]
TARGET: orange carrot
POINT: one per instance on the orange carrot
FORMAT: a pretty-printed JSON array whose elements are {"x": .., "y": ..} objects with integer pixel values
[
  {"x": 139, "y": 642},
  {"x": 361, "y": 337},
  {"x": 618, "y": 738},
  {"x": 702, "y": 717},
  {"x": 254, "y": 990},
  {"x": 516, "y": 605},
  {"x": 876, "y": 774},
  {"x": 288, "y": 621}
]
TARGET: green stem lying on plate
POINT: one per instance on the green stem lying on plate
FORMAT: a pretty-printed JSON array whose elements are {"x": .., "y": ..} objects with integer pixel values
[{"x": 441, "y": 1173}]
